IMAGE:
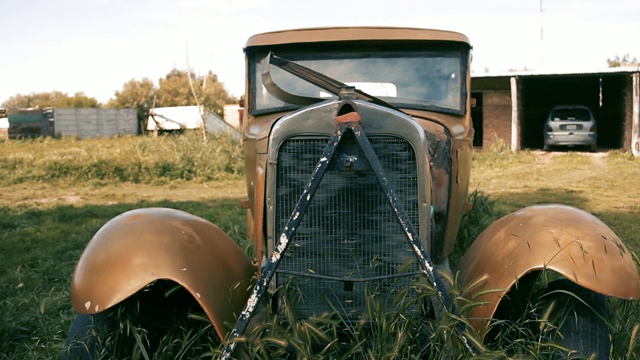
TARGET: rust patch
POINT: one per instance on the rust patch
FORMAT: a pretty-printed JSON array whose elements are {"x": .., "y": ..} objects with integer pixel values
[{"x": 349, "y": 117}]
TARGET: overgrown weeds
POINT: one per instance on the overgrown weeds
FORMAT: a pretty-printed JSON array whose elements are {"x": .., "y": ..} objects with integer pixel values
[
  {"x": 141, "y": 160},
  {"x": 41, "y": 241},
  {"x": 404, "y": 331}
]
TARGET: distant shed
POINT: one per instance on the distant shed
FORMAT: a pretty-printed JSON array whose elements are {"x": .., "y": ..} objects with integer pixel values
[
  {"x": 512, "y": 107},
  {"x": 31, "y": 122},
  {"x": 233, "y": 115},
  {"x": 92, "y": 122},
  {"x": 186, "y": 117}
]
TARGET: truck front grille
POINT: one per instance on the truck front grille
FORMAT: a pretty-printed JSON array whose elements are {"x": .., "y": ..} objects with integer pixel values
[{"x": 349, "y": 245}]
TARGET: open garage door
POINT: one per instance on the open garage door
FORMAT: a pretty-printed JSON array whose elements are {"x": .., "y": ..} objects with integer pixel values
[{"x": 603, "y": 94}]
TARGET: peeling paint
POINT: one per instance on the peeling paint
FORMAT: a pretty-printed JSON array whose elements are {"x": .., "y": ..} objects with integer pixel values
[
  {"x": 457, "y": 130},
  {"x": 283, "y": 242},
  {"x": 87, "y": 305},
  {"x": 410, "y": 236},
  {"x": 251, "y": 304},
  {"x": 184, "y": 269},
  {"x": 198, "y": 295},
  {"x": 283, "y": 239},
  {"x": 97, "y": 308}
]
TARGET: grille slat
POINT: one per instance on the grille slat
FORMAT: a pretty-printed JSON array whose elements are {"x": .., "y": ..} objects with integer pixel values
[{"x": 349, "y": 230}]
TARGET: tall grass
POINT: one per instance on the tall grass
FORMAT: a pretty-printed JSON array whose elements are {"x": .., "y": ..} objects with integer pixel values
[
  {"x": 42, "y": 233},
  {"x": 382, "y": 333},
  {"x": 41, "y": 241},
  {"x": 146, "y": 160}
]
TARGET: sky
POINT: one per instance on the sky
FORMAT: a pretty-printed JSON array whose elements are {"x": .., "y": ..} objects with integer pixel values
[{"x": 96, "y": 46}]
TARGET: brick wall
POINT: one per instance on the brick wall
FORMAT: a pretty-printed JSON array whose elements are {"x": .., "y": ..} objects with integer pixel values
[{"x": 496, "y": 116}]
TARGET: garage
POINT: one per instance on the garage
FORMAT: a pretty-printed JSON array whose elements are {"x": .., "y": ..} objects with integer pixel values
[
  {"x": 604, "y": 95},
  {"x": 513, "y": 107}
]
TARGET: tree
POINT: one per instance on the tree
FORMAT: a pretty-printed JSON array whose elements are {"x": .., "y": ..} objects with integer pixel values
[
  {"x": 625, "y": 60},
  {"x": 51, "y": 99},
  {"x": 215, "y": 95},
  {"x": 136, "y": 95},
  {"x": 174, "y": 90}
]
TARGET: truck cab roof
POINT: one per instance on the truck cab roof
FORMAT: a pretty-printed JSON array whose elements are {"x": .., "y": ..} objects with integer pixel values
[{"x": 336, "y": 34}]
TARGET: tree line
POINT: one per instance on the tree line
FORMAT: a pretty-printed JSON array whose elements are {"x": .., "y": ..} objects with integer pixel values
[
  {"x": 172, "y": 90},
  {"x": 621, "y": 61}
]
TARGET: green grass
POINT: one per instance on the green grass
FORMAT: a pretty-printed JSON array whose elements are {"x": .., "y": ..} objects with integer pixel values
[
  {"x": 139, "y": 160},
  {"x": 56, "y": 193},
  {"x": 601, "y": 183},
  {"x": 40, "y": 245}
]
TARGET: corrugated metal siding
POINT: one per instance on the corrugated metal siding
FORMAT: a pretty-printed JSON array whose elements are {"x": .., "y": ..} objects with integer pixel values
[
  {"x": 127, "y": 121},
  {"x": 65, "y": 121},
  {"x": 87, "y": 123},
  {"x": 95, "y": 122}
]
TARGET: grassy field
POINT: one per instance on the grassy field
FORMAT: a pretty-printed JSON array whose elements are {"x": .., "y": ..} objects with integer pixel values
[
  {"x": 600, "y": 183},
  {"x": 56, "y": 193}
]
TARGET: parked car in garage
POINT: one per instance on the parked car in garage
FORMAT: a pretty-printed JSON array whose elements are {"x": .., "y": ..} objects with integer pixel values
[{"x": 570, "y": 125}]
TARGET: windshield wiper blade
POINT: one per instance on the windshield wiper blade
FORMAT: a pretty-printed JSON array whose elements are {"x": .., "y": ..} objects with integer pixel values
[{"x": 311, "y": 76}]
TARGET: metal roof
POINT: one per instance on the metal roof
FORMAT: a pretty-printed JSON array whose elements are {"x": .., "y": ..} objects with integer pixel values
[{"x": 605, "y": 71}]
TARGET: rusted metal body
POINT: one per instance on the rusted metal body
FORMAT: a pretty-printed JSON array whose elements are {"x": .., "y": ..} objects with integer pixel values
[
  {"x": 556, "y": 238},
  {"x": 141, "y": 246},
  {"x": 330, "y": 208},
  {"x": 450, "y": 136}
]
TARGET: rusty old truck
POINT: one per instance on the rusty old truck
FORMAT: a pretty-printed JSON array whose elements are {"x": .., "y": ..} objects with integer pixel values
[{"x": 358, "y": 149}]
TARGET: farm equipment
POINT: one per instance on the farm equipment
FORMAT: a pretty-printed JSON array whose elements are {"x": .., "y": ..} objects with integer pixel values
[{"x": 357, "y": 146}]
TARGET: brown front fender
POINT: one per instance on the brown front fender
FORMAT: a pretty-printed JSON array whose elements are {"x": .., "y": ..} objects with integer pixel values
[
  {"x": 564, "y": 239},
  {"x": 144, "y": 245}
]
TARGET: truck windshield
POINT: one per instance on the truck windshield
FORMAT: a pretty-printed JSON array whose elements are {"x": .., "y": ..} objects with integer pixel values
[{"x": 430, "y": 80}]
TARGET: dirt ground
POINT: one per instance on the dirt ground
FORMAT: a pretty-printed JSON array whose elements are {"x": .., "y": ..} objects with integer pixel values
[{"x": 596, "y": 157}]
